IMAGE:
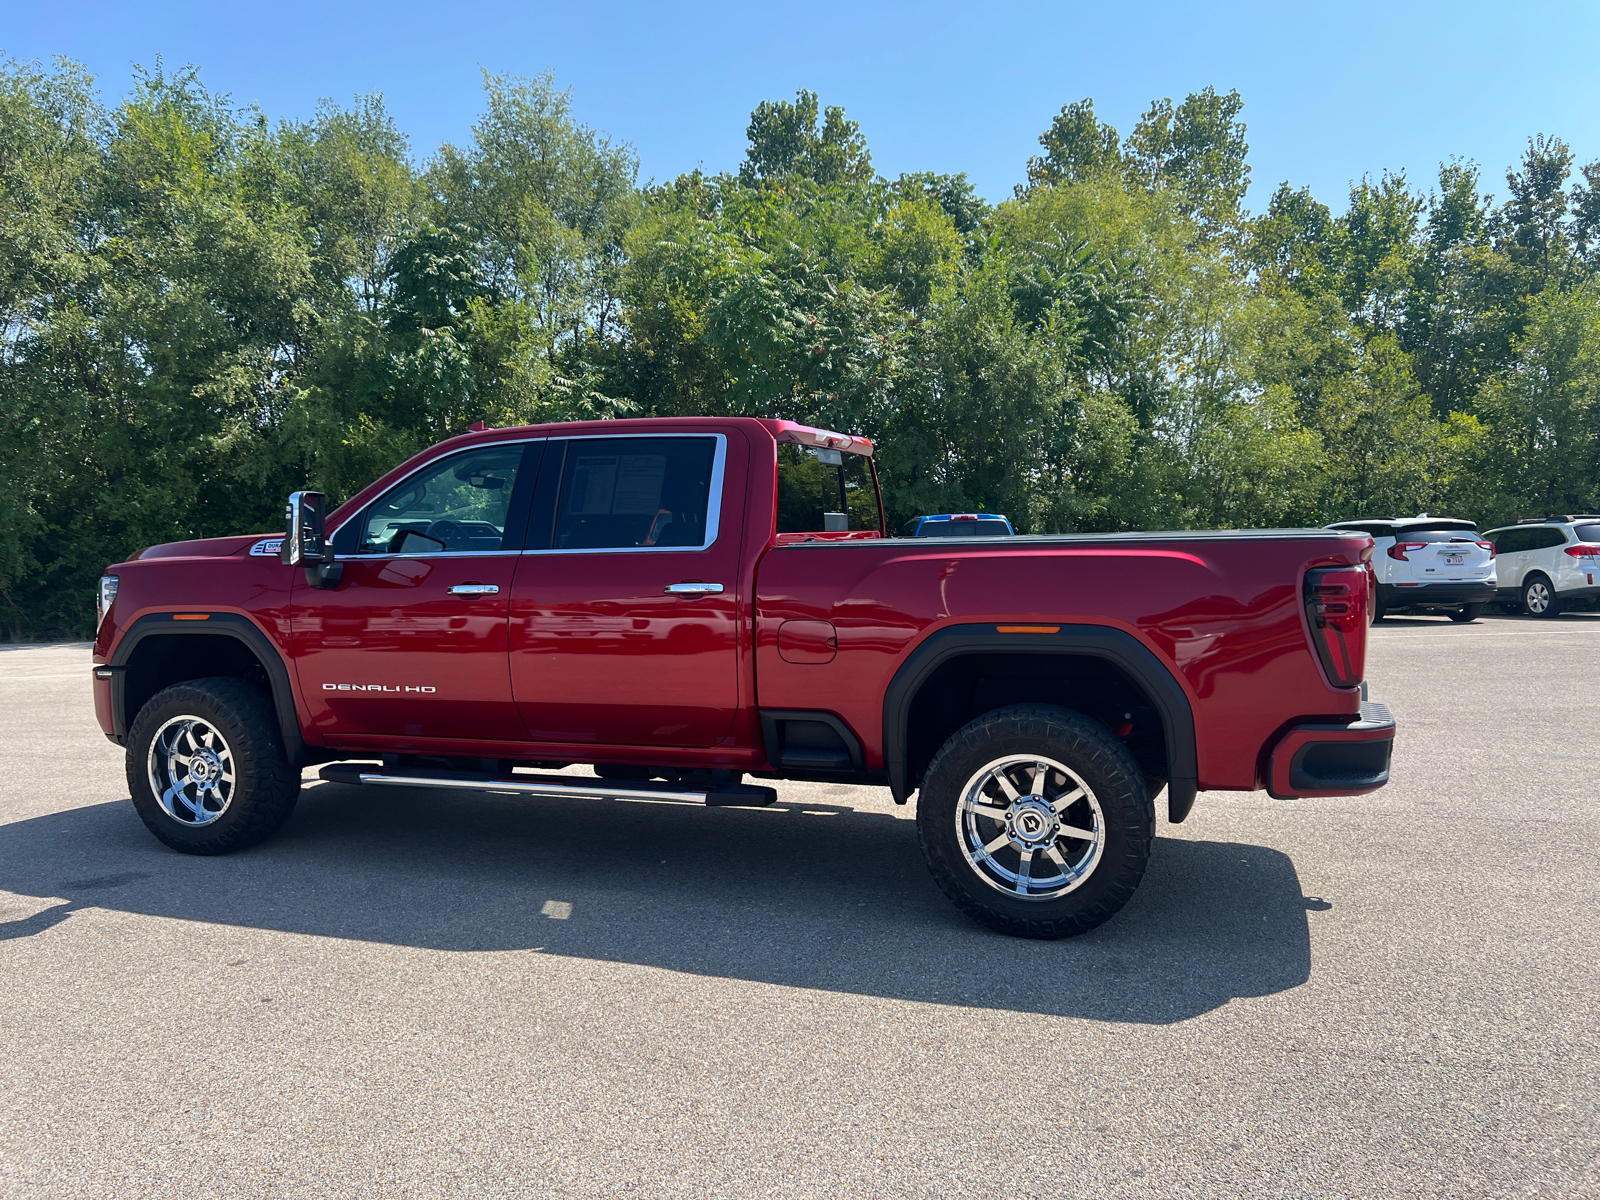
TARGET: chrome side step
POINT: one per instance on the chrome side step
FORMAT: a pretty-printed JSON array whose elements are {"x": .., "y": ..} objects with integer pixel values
[{"x": 740, "y": 795}]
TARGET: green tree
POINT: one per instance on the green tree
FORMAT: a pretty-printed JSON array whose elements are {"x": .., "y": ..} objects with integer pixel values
[
  {"x": 1544, "y": 410},
  {"x": 1198, "y": 149},
  {"x": 1077, "y": 146},
  {"x": 786, "y": 139}
]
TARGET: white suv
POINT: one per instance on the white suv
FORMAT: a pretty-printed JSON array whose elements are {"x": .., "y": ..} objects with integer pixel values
[
  {"x": 1549, "y": 565},
  {"x": 1429, "y": 564}
]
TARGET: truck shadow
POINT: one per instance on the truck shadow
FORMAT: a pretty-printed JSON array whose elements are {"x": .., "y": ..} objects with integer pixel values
[{"x": 800, "y": 895}]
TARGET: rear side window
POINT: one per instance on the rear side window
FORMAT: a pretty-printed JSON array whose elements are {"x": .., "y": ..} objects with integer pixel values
[
  {"x": 824, "y": 491},
  {"x": 1587, "y": 533},
  {"x": 1545, "y": 538},
  {"x": 635, "y": 493}
]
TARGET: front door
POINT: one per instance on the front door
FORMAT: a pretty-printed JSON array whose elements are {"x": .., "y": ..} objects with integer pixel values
[
  {"x": 624, "y": 616},
  {"x": 411, "y": 643}
]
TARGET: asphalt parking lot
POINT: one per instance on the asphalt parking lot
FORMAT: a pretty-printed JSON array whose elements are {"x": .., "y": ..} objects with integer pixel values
[{"x": 414, "y": 994}]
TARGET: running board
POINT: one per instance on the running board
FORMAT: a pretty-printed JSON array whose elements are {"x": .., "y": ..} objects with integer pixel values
[{"x": 739, "y": 795}]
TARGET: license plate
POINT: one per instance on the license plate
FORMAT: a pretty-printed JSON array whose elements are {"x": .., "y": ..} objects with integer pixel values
[{"x": 1454, "y": 560}]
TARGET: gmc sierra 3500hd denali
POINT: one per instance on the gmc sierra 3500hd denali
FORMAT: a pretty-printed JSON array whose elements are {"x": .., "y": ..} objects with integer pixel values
[{"x": 681, "y": 603}]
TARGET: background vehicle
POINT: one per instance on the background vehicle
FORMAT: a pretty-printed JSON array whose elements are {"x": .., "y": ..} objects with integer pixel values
[
  {"x": 1550, "y": 564},
  {"x": 1429, "y": 564},
  {"x": 958, "y": 525},
  {"x": 680, "y": 602}
]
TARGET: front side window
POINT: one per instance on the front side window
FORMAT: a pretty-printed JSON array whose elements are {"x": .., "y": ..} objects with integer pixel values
[
  {"x": 459, "y": 503},
  {"x": 824, "y": 491},
  {"x": 636, "y": 493}
]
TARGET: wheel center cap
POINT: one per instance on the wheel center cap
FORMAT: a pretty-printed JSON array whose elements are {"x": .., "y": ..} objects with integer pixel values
[
  {"x": 1031, "y": 821},
  {"x": 204, "y": 767}
]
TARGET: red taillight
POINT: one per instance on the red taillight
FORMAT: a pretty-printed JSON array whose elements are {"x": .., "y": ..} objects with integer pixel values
[
  {"x": 1398, "y": 550},
  {"x": 1489, "y": 546},
  {"x": 1582, "y": 551},
  {"x": 1336, "y": 608}
]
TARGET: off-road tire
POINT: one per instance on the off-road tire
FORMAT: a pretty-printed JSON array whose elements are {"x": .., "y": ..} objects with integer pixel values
[
  {"x": 1467, "y": 612},
  {"x": 1552, "y": 606},
  {"x": 265, "y": 786},
  {"x": 1098, "y": 758}
]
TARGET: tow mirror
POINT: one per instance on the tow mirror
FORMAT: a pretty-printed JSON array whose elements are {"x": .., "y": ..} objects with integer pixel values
[{"x": 305, "y": 543}]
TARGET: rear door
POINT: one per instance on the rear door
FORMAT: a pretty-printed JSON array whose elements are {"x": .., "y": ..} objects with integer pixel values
[
  {"x": 1549, "y": 555},
  {"x": 626, "y": 606}
]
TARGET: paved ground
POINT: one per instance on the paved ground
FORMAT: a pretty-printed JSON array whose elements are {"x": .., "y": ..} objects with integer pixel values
[{"x": 1391, "y": 996}]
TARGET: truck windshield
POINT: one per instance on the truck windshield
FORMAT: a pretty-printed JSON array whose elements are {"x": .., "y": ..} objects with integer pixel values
[{"x": 824, "y": 491}]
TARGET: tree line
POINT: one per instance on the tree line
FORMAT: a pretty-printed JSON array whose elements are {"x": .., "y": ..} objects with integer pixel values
[{"x": 201, "y": 310}]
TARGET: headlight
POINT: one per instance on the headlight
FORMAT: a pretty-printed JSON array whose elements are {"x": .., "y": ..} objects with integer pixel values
[{"x": 108, "y": 593}]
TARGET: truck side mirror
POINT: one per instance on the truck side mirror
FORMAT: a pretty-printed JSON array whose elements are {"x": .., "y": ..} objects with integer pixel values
[{"x": 305, "y": 542}]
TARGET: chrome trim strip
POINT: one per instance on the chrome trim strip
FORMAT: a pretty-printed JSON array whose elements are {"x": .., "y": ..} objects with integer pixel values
[
  {"x": 427, "y": 554},
  {"x": 536, "y": 788}
]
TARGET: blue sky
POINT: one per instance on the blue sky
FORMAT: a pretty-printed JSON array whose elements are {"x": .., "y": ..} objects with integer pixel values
[{"x": 1330, "y": 91}]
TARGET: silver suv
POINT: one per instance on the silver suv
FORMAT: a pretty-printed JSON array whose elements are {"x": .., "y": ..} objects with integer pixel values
[{"x": 1548, "y": 564}]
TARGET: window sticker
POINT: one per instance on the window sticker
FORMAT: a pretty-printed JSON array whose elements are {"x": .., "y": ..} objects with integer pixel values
[
  {"x": 594, "y": 480},
  {"x": 617, "y": 485},
  {"x": 639, "y": 484}
]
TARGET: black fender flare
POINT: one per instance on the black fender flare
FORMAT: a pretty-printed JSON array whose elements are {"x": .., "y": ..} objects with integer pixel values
[
  {"x": 216, "y": 624},
  {"x": 1081, "y": 641}
]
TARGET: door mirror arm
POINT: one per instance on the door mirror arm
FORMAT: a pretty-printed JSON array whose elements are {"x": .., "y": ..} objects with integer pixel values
[{"x": 325, "y": 574}]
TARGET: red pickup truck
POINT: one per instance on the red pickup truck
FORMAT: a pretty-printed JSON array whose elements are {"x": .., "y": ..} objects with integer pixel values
[{"x": 682, "y": 603}]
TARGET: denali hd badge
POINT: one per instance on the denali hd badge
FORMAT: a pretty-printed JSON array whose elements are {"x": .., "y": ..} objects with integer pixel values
[{"x": 377, "y": 687}]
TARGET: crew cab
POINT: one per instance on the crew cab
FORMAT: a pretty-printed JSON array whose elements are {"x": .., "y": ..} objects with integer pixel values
[{"x": 699, "y": 607}]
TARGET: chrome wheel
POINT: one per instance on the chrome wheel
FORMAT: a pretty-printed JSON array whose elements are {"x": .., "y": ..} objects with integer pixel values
[
  {"x": 1030, "y": 827},
  {"x": 1537, "y": 597},
  {"x": 191, "y": 771}
]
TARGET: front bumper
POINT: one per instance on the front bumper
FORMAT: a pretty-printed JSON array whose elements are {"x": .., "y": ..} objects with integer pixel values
[
  {"x": 1392, "y": 596},
  {"x": 1329, "y": 759}
]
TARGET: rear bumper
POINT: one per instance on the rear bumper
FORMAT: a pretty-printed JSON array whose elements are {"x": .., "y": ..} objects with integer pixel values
[
  {"x": 1327, "y": 759},
  {"x": 1392, "y": 596}
]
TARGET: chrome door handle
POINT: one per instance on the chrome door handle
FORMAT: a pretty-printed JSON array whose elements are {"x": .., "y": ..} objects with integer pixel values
[
  {"x": 694, "y": 589},
  {"x": 475, "y": 589}
]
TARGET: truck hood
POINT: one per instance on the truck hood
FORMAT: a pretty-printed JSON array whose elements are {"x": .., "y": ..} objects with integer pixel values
[{"x": 221, "y": 547}]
